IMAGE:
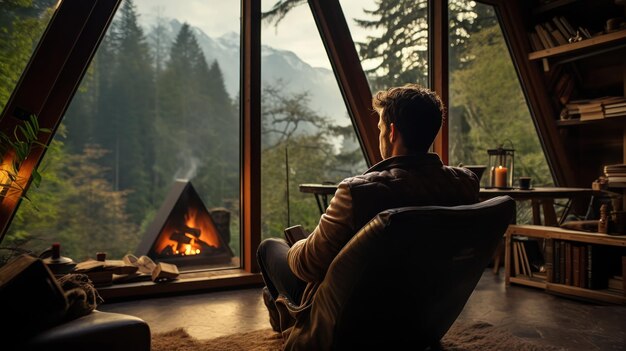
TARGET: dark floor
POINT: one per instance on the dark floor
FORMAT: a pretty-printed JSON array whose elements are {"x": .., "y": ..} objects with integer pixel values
[{"x": 527, "y": 312}]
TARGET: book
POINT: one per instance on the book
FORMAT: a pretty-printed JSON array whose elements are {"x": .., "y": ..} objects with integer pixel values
[
  {"x": 616, "y": 283},
  {"x": 588, "y": 116},
  {"x": 568, "y": 263},
  {"x": 611, "y": 105},
  {"x": 562, "y": 258},
  {"x": 615, "y": 111},
  {"x": 616, "y": 179},
  {"x": 535, "y": 42},
  {"x": 515, "y": 258},
  {"x": 590, "y": 107},
  {"x": 597, "y": 276},
  {"x": 295, "y": 233},
  {"x": 560, "y": 39},
  {"x": 522, "y": 259},
  {"x": 100, "y": 278},
  {"x": 568, "y": 27},
  {"x": 112, "y": 266},
  {"x": 556, "y": 258},
  {"x": 582, "y": 261},
  {"x": 543, "y": 36},
  {"x": 564, "y": 88},
  {"x": 164, "y": 272},
  {"x": 534, "y": 254},
  {"x": 549, "y": 259},
  {"x": 529, "y": 270},
  {"x": 559, "y": 25}
]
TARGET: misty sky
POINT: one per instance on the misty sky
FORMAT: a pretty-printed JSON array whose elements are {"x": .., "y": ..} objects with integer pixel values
[{"x": 297, "y": 32}]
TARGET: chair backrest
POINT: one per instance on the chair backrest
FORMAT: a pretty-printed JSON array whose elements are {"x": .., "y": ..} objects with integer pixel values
[{"x": 404, "y": 278}]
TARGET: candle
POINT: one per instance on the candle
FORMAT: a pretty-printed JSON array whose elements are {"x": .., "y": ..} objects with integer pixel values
[{"x": 500, "y": 177}]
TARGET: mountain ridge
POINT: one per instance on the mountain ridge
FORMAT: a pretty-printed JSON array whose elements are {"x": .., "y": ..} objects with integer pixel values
[{"x": 279, "y": 66}]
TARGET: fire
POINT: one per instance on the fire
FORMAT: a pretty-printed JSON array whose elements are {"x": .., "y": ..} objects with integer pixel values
[{"x": 197, "y": 234}]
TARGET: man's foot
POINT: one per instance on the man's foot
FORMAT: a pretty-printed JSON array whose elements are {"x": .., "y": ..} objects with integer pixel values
[{"x": 271, "y": 307}]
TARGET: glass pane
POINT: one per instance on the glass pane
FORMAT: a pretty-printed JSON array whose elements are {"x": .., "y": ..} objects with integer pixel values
[
  {"x": 157, "y": 110},
  {"x": 487, "y": 106},
  {"x": 307, "y": 134},
  {"x": 22, "y": 23},
  {"x": 391, "y": 39}
]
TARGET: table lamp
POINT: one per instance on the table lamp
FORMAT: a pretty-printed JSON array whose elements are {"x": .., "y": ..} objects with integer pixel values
[{"x": 501, "y": 166}]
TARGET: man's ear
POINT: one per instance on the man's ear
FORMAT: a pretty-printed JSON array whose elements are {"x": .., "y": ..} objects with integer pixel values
[{"x": 393, "y": 133}]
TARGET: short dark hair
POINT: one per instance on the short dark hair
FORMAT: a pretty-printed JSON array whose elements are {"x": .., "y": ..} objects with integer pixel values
[{"x": 416, "y": 112}]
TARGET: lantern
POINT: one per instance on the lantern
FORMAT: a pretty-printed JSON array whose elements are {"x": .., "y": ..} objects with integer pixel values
[{"x": 501, "y": 163}]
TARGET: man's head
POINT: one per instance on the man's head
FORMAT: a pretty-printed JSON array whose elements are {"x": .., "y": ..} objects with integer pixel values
[{"x": 409, "y": 119}]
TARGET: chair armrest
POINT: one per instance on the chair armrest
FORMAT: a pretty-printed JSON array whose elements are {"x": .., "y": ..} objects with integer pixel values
[{"x": 96, "y": 331}]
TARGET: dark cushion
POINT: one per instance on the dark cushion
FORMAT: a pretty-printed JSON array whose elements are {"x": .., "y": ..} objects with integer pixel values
[{"x": 94, "y": 332}]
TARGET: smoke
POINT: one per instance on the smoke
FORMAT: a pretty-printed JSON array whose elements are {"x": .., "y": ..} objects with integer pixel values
[{"x": 189, "y": 166}]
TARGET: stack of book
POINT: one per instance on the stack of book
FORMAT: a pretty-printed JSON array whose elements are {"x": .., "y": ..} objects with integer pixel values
[
  {"x": 615, "y": 174},
  {"x": 599, "y": 108},
  {"x": 101, "y": 273},
  {"x": 555, "y": 32},
  {"x": 615, "y": 109}
]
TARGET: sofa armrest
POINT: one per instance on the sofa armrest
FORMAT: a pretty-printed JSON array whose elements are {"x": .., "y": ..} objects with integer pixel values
[{"x": 94, "y": 332}]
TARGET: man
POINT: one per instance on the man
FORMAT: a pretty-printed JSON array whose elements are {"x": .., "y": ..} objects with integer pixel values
[{"x": 410, "y": 117}]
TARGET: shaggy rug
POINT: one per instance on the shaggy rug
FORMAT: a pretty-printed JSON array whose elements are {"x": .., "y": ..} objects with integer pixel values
[{"x": 461, "y": 337}]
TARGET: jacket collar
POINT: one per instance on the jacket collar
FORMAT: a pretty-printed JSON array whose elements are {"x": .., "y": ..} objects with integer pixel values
[{"x": 407, "y": 161}]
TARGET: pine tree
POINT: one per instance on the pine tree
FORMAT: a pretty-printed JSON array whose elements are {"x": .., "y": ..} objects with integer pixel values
[
  {"x": 199, "y": 127},
  {"x": 22, "y": 22},
  {"x": 399, "y": 54},
  {"x": 125, "y": 124}
]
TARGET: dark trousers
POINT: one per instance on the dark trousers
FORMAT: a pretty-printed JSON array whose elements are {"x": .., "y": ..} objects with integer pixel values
[{"x": 272, "y": 258}]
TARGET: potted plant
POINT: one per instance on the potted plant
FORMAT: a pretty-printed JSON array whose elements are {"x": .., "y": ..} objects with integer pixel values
[{"x": 14, "y": 149}]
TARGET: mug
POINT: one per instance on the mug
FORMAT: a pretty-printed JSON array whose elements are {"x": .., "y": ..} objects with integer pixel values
[{"x": 524, "y": 183}]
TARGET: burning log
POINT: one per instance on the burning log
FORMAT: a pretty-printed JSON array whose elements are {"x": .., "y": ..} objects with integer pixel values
[
  {"x": 167, "y": 251},
  {"x": 180, "y": 238},
  {"x": 193, "y": 231}
]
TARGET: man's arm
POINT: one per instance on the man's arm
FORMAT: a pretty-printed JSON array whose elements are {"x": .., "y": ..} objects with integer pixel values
[{"x": 309, "y": 259}]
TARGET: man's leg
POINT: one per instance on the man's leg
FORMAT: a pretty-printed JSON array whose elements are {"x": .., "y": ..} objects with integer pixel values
[{"x": 272, "y": 259}]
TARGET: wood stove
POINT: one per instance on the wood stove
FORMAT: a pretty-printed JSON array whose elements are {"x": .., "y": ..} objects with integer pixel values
[{"x": 183, "y": 231}]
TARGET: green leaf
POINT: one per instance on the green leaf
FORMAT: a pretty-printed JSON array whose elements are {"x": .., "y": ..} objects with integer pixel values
[{"x": 36, "y": 178}]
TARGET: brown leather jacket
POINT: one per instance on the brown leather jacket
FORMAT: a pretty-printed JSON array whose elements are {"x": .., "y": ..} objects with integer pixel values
[{"x": 399, "y": 181}]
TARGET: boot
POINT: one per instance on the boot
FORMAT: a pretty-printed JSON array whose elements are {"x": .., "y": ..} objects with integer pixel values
[{"x": 271, "y": 307}]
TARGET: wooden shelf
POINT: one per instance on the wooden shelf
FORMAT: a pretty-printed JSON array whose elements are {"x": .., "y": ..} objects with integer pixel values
[
  {"x": 603, "y": 295},
  {"x": 581, "y": 46},
  {"x": 528, "y": 282},
  {"x": 578, "y": 122},
  {"x": 556, "y": 233},
  {"x": 539, "y": 231}
]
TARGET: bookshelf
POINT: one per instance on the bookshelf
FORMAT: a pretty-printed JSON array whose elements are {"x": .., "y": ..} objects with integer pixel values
[
  {"x": 585, "y": 67},
  {"x": 593, "y": 46},
  {"x": 550, "y": 281}
]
